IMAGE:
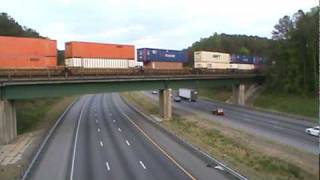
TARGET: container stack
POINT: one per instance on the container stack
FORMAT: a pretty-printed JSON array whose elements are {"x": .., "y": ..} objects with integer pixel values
[
  {"x": 242, "y": 62},
  {"x": 211, "y": 60},
  {"x": 17, "y": 52},
  {"x": 161, "y": 58},
  {"x": 98, "y": 55}
]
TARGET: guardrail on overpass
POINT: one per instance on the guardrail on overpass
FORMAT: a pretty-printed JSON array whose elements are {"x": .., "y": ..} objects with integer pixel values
[{"x": 54, "y": 87}]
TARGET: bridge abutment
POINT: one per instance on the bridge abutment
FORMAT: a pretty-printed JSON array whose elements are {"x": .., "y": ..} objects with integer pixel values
[
  {"x": 165, "y": 104},
  {"x": 8, "y": 121},
  {"x": 238, "y": 96}
]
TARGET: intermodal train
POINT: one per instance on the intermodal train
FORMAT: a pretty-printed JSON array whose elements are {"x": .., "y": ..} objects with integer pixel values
[{"x": 32, "y": 57}]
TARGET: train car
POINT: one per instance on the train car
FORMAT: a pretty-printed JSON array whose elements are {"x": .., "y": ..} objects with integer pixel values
[
  {"x": 242, "y": 62},
  {"x": 27, "y": 53},
  {"x": 99, "y": 55},
  {"x": 211, "y": 60},
  {"x": 161, "y": 58}
]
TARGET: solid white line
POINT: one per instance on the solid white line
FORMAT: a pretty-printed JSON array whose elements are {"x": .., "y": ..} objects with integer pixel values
[
  {"x": 75, "y": 142},
  {"x": 98, "y": 129},
  {"x": 108, "y": 167},
  {"x": 119, "y": 129},
  {"x": 144, "y": 167},
  {"x": 127, "y": 142},
  {"x": 101, "y": 144}
]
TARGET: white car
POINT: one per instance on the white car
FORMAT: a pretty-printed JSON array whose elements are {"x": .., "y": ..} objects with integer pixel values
[{"x": 315, "y": 131}]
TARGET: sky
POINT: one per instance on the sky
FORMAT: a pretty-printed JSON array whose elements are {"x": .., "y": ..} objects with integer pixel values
[{"x": 169, "y": 24}]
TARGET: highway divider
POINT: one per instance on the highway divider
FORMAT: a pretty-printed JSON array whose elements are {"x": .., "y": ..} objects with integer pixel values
[{"x": 203, "y": 155}]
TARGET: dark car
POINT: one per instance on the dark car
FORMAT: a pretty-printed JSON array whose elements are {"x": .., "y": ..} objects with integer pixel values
[
  {"x": 177, "y": 99},
  {"x": 218, "y": 111}
]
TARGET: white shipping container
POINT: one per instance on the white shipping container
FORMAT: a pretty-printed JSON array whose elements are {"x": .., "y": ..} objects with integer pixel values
[
  {"x": 245, "y": 66},
  {"x": 212, "y": 65},
  {"x": 233, "y": 66},
  {"x": 99, "y": 63},
  {"x": 212, "y": 57}
]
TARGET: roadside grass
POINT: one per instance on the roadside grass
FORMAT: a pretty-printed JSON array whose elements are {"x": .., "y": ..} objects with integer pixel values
[
  {"x": 38, "y": 113},
  {"x": 247, "y": 154},
  {"x": 148, "y": 105},
  {"x": 299, "y": 105},
  {"x": 246, "y": 160},
  {"x": 216, "y": 93}
]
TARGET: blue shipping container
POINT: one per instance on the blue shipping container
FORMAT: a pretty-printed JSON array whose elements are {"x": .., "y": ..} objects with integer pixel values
[
  {"x": 150, "y": 54},
  {"x": 242, "y": 59}
]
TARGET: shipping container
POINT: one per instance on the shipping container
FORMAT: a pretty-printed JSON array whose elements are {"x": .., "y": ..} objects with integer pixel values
[
  {"x": 99, "y": 63},
  {"x": 211, "y": 65},
  {"x": 259, "y": 60},
  {"x": 17, "y": 52},
  {"x": 241, "y": 59},
  {"x": 99, "y": 50},
  {"x": 163, "y": 65},
  {"x": 162, "y": 55},
  {"x": 211, "y": 57},
  {"x": 245, "y": 66}
]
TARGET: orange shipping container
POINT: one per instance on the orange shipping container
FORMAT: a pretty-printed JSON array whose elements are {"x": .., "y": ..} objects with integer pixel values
[
  {"x": 17, "y": 52},
  {"x": 98, "y": 50}
]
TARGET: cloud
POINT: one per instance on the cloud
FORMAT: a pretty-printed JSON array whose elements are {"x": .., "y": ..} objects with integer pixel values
[{"x": 158, "y": 23}]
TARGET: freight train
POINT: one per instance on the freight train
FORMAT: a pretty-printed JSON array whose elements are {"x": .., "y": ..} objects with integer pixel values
[{"x": 32, "y": 57}]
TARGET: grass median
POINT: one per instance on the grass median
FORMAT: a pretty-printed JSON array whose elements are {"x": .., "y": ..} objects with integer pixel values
[{"x": 236, "y": 149}]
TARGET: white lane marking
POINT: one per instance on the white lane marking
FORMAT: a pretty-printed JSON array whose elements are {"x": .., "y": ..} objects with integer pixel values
[
  {"x": 101, "y": 144},
  {"x": 144, "y": 167},
  {"x": 154, "y": 143},
  {"x": 75, "y": 142},
  {"x": 114, "y": 121},
  {"x": 98, "y": 129},
  {"x": 97, "y": 121},
  {"x": 127, "y": 142},
  {"x": 108, "y": 167},
  {"x": 119, "y": 129}
]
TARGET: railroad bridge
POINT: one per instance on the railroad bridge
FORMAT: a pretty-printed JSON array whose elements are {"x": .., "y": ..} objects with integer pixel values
[{"x": 29, "y": 88}]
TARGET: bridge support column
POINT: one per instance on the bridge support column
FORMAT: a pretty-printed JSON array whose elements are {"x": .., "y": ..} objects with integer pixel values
[
  {"x": 165, "y": 104},
  {"x": 238, "y": 94},
  {"x": 8, "y": 121}
]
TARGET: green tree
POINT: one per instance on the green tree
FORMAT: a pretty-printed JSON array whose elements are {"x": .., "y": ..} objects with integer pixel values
[{"x": 9, "y": 27}]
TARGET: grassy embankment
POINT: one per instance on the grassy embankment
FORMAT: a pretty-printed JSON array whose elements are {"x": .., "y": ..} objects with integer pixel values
[
  {"x": 300, "y": 105},
  {"x": 292, "y": 104},
  {"x": 217, "y": 93},
  {"x": 39, "y": 113},
  {"x": 251, "y": 156}
]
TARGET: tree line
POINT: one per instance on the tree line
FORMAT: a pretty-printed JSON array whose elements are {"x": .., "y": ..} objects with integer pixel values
[
  {"x": 292, "y": 52},
  {"x": 9, "y": 27}
]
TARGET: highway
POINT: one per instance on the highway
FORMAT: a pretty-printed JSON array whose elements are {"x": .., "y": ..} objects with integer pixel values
[
  {"x": 101, "y": 137},
  {"x": 277, "y": 128}
]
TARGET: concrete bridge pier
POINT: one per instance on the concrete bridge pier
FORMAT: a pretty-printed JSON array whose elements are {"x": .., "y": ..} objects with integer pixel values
[
  {"x": 165, "y": 104},
  {"x": 238, "y": 94},
  {"x": 8, "y": 121}
]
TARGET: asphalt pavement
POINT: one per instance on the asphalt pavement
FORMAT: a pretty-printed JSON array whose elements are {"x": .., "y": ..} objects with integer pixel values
[
  {"x": 285, "y": 130},
  {"x": 103, "y": 138}
]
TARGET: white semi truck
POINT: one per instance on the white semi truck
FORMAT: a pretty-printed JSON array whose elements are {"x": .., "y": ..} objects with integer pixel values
[{"x": 189, "y": 94}]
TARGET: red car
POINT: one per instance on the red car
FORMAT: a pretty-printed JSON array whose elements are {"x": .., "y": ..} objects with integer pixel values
[{"x": 218, "y": 111}]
